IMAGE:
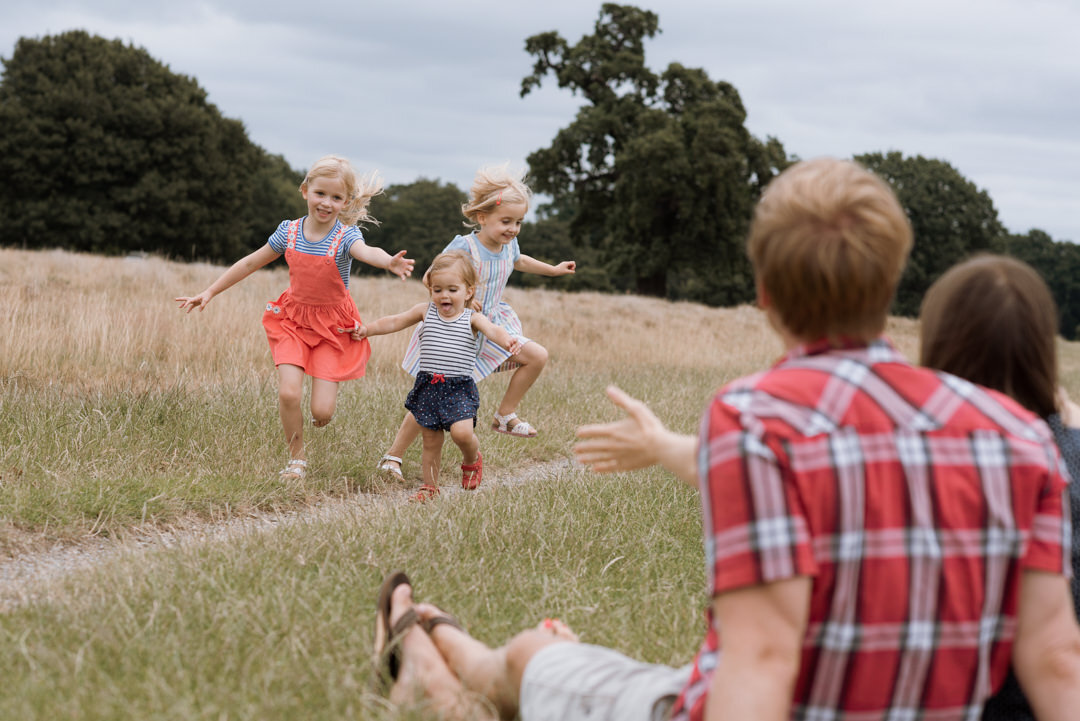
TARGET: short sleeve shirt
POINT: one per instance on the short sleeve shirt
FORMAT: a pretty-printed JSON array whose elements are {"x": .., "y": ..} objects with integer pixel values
[
  {"x": 912, "y": 498},
  {"x": 491, "y": 282},
  {"x": 280, "y": 239}
]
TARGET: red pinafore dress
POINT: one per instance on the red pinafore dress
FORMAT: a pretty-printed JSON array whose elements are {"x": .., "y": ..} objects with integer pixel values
[{"x": 302, "y": 324}]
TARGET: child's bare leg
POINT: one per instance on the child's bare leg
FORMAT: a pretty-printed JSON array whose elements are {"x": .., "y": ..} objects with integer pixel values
[
  {"x": 462, "y": 434},
  {"x": 431, "y": 457},
  {"x": 323, "y": 401},
  {"x": 406, "y": 434},
  {"x": 533, "y": 357},
  {"x": 290, "y": 395}
]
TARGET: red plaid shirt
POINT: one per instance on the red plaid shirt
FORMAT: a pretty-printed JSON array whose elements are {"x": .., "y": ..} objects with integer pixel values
[{"x": 912, "y": 498}]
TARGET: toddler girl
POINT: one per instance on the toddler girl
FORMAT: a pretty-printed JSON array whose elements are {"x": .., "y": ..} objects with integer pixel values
[
  {"x": 302, "y": 324},
  {"x": 496, "y": 207},
  {"x": 444, "y": 396}
]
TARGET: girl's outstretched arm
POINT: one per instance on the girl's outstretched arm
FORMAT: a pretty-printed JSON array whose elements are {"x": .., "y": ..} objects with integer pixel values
[
  {"x": 528, "y": 264},
  {"x": 389, "y": 323},
  {"x": 397, "y": 264},
  {"x": 237, "y": 272},
  {"x": 496, "y": 333}
]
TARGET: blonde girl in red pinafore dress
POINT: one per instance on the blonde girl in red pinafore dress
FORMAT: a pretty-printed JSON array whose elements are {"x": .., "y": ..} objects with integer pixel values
[
  {"x": 498, "y": 202},
  {"x": 302, "y": 325}
]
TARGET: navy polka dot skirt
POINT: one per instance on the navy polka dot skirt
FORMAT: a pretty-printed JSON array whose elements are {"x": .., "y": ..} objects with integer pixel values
[{"x": 437, "y": 401}]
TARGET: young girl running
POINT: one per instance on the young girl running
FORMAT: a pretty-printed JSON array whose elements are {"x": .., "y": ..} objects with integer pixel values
[
  {"x": 302, "y": 324},
  {"x": 444, "y": 396},
  {"x": 498, "y": 201}
]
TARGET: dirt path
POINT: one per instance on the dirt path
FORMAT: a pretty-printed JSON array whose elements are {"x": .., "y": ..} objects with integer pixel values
[{"x": 26, "y": 577}]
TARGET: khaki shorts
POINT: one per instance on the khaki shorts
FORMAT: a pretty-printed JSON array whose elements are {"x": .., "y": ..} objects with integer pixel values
[{"x": 579, "y": 681}]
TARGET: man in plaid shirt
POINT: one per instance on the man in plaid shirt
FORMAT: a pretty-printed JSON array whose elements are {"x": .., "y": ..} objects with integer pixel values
[{"x": 882, "y": 540}]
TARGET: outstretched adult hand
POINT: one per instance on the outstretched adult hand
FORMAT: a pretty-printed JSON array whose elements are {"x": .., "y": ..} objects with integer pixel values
[{"x": 623, "y": 445}]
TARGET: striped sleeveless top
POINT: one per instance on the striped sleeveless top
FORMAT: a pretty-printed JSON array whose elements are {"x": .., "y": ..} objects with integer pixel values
[{"x": 447, "y": 347}]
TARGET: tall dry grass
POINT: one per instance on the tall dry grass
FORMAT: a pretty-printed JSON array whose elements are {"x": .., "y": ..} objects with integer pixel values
[{"x": 117, "y": 410}]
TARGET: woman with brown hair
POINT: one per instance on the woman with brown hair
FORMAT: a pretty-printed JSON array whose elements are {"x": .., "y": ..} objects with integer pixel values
[{"x": 991, "y": 320}]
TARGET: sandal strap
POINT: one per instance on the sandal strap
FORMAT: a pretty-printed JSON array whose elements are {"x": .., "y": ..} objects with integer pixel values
[
  {"x": 504, "y": 420},
  {"x": 296, "y": 467},
  {"x": 388, "y": 457},
  {"x": 444, "y": 618}
]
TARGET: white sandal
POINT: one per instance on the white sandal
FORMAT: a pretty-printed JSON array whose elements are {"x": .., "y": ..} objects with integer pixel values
[
  {"x": 386, "y": 466},
  {"x": 294, "y": 470},
  {"x": 521, "y": 429}
]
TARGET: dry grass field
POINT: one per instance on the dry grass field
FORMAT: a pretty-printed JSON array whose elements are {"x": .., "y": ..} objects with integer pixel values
[{"x": 120, "y": 414}]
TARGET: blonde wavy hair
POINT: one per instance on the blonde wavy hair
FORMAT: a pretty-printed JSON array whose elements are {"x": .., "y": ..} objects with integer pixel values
[
  {"x": 359, "y": 190},
  {"x": 493, "y": 186}
]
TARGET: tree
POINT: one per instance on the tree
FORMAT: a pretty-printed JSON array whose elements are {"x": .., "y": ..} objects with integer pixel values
[
  {"x": 950, "y": 218},
  {"x": 1059, "y": 265},
  {"x": 658, "y": 171},
  {"x": 106, "y": 150},
  {"x": 421, "y": 217}
]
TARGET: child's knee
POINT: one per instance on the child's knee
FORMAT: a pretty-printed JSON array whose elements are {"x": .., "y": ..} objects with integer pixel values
[
  {"x": 290, "y": 394},
  {"x": 462, "y": 433},
  {"x": 538, "y": 354},
  {"x": 322, "y": 413}
]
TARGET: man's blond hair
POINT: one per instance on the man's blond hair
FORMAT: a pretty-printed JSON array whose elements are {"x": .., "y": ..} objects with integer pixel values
[{"x": 828, "y": 244}]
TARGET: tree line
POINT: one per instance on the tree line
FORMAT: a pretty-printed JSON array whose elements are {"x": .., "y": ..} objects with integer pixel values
[{"x": 650, "y": 187}]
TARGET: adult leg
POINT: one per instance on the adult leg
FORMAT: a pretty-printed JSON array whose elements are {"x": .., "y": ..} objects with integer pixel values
[
  {"x": 290, "y": 395},
  {"x": 323, "y": 401},
  {"x": 423, "y": 672},
  {"x": 494, "y": 673},
  {"x": 532, "y": 359}
]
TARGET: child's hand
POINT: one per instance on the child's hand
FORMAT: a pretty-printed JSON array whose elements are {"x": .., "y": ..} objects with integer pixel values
[
  {"x": 401, "y": 266},
  {"x": 357, "y": 332},
  {"x": 515, "y": 345},
  {"x": 190, "y": 303},
  {"x": 567, "y": 267}
]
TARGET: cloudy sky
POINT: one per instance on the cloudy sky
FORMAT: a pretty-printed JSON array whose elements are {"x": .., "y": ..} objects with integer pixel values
[{"x": 430, "y": 88}]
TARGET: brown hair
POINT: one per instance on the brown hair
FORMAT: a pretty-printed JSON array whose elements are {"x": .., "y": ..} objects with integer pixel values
[
  {"x": 358, "y": 190},
  {"x": 454, "y": 259},
  {"x": 493, "y": 186},
  {"x": 828, "y": 243},
  {"x": 991, "y": 320}
]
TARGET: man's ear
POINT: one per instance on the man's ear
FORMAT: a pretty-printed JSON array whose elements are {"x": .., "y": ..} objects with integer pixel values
[{"x": 763, "y": 300}]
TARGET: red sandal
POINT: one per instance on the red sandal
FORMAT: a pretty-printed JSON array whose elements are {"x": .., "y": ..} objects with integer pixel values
[
  {"x": 471, "y": 473},
  {"x": 425, "y": 493}
]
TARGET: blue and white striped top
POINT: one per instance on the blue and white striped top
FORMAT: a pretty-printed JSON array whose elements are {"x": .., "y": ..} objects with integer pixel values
[
  {"x": 447, "y": 347},
  {"x": 280, "y": 239}
]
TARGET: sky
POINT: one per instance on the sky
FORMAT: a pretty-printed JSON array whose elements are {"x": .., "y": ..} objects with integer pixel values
[{"x": 431, "y": 88}]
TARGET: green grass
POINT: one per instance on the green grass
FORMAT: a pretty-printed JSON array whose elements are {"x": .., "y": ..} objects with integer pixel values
[
  {"x": 279, "y": 625},
  {"x": 151, "y": 421}
]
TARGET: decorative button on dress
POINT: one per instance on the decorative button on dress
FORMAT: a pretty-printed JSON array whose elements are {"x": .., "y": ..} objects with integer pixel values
[{"x": 301, "y": 326}]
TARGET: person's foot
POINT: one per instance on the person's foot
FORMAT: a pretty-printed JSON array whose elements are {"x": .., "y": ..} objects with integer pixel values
[
  {"x": 424, "y": 679},
  {"x": 391, "y": 465}
]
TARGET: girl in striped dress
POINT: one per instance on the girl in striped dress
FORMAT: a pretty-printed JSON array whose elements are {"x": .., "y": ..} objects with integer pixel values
[
  {"x": 308, "y": 326},
  {"x": 444, "y": 396},
  {"x": 497, "y": 204}
]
